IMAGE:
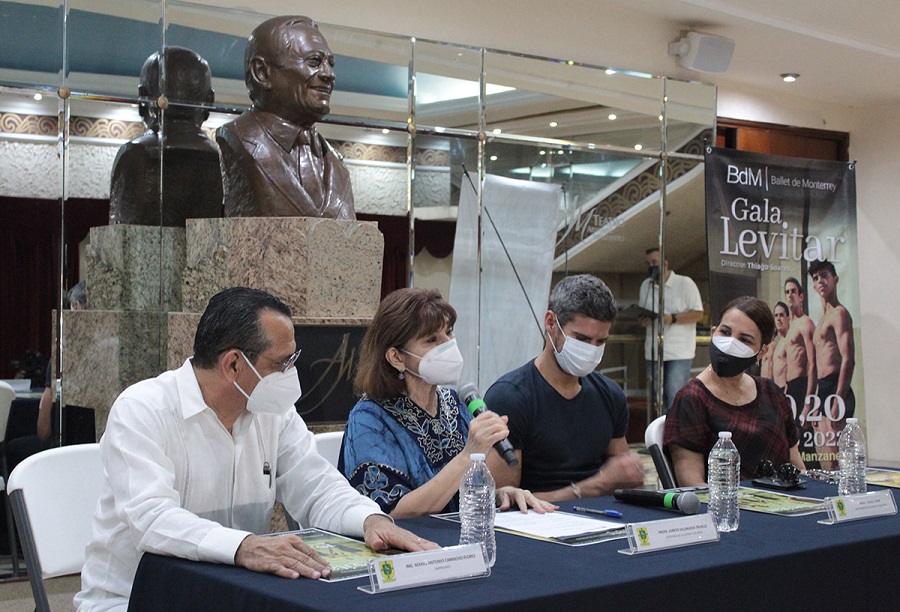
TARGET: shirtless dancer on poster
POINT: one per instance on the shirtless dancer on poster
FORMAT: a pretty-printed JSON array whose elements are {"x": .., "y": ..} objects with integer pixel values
[
  {"x": 835, "y": 352},
  {"x": 801, "y": 365},
  {"x": 774, "y": 363}
]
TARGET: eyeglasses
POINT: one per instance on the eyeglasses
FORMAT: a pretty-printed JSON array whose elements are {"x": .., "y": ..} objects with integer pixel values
[
  {"x": 284, "y": 365},
  {"x": 787, "y": 472}
]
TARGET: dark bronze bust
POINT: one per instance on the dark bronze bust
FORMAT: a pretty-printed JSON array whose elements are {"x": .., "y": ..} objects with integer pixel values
[
  {"x": 191, "y": 185},
  {"x": 275, "y": 162}
]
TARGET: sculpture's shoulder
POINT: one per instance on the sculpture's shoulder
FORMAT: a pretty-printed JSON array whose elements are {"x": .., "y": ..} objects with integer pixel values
[
  {"x": 246, "y": 127},
  {"x": 331, "y": 150}
]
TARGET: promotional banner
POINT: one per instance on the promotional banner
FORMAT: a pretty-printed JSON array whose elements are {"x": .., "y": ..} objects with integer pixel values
[{"x": 784, "y": 230}]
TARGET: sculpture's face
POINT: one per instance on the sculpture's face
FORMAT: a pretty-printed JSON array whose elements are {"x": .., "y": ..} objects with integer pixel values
[{"x": 302, "y": 79}]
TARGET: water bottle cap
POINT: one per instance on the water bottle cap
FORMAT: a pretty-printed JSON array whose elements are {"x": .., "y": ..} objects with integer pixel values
[
  {"x": 852, "y": 420},
  {"x": 476, "y": 457},
  {"x": 724, "y": 434}
]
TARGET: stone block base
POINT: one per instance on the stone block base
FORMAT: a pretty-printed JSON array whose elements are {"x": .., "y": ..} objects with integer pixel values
[
  {"x": 318, "y": 267},
  {"x": 135, "y": 267}
]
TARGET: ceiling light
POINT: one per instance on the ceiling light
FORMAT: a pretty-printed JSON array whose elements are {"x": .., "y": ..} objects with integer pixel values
[
  {"x": 559, "y": 152},
  {"x": 440, "y": 129},
  {"x": 610, "y": 71},
  {"x": 493, "y": 158},
  {"x": 789, "y": 77},
  {"x": 542, "y": 153},
  {"x": 553, "y": 124},
  {"x": 385, "y": 131},
  {"x": 497, "y": 130},
  {"x": 613, "y": 116},
  {"x": 638, "y": 147},
  {"x": 38, "y": 97}
]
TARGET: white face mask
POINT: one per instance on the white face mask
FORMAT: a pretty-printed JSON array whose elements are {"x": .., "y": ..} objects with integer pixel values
[
  {"x": 275, "y": 394},
  {"x": 441, "y": 365},
  {"x": 733, "y": 347},
  {"x": 576, "y": 357}
]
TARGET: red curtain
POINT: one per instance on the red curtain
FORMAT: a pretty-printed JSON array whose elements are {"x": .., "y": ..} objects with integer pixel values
[{"x": 29, "y": 269}]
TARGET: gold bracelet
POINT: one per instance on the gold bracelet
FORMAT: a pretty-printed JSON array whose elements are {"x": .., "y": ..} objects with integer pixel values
[{"x": 576, "y": 489}]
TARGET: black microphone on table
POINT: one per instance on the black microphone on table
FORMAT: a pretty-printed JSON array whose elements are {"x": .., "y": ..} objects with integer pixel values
[
  {"x": 469, "y": 394},
  {"x": 685, "y": 502}
]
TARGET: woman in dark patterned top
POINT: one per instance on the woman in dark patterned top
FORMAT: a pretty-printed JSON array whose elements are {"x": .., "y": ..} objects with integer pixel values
[
  {"x": 725, "y": 398},
  {"x": 408, "y": 439}
]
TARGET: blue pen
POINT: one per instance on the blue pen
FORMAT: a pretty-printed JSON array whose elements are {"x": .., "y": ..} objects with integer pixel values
[{"x": 610, "y": 513}]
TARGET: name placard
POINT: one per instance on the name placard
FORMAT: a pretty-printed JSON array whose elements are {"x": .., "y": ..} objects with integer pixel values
[
  {"x": 862, "y": 506},
  {"x": 670, "y": 533},
  {"x": 427, "y": 567}
]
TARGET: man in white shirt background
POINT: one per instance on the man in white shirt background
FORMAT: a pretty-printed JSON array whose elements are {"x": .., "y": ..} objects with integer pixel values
[
  {"x": 195, "y": 459},
  {"x": 683, "y": 309}
]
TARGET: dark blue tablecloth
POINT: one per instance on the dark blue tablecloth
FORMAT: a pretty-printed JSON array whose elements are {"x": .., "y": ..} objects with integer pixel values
[{"x": 770, "y": 563}]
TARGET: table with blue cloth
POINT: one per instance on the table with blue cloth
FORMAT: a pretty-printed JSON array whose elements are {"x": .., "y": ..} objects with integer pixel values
[{"x": 770, "y": 563}]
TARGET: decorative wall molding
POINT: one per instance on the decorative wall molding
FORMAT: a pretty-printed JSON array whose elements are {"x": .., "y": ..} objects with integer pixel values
[
  {"x": 86, "y": 127},
  {"x": 115, "y": 129},
  {"x": 384, "y": 153}
]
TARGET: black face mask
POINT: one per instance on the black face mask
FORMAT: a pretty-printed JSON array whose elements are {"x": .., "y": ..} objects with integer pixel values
[
  {"x": 653, "y": 272},
  {"x": 726, "y": 365}
]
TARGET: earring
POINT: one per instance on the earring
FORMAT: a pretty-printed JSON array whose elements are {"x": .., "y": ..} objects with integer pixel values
[{"x": 401, "y": 375}]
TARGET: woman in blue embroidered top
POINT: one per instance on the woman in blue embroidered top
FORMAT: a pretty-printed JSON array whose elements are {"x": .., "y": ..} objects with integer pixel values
[{"x": 408, "y": 439}]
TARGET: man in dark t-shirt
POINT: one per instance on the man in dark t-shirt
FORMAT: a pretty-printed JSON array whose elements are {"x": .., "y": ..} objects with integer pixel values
[{"x": 567, "y": 422}]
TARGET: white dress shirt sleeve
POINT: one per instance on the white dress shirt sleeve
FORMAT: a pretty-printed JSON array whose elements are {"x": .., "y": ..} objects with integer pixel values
[
  {"x": 143, "y": 483},
  {"x": 314, "y": 493}
]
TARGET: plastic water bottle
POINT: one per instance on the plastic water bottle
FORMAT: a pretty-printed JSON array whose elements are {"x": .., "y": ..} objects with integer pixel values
[
  {"x": 477, "y": 506},
  {"x": 852, "y": 459},
  {"x": 724, "y": 481}
]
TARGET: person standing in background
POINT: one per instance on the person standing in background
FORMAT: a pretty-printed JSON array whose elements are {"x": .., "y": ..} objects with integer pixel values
[{"x": 683, "y": 309}]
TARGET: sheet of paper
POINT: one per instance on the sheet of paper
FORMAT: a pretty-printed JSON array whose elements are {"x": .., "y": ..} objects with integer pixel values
[
  {"x": 552, "y": 524},
  {"x": 883, "y": 478}
]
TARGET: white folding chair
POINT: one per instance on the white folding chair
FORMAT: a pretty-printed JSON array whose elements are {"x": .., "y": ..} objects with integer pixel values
[
  {"x": 653, "y": 439},
  {"x": 54, "y": 494},
  {"x": 7, "y": 395},
  {"x": 329, "y": 445}
]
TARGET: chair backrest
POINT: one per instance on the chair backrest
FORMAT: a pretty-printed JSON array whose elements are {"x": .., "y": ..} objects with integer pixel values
[
  {"x": 7, "y": 395},
  {"x": 54, "y": 494},
  {"x": 329, "y": 445},
  {"x": 653, "y": 439}
]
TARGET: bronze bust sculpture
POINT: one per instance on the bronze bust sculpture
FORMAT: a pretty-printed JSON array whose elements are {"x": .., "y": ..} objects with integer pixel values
[
  {"x": 275, "y": 162},
  {"x": 191, "y": 185}
]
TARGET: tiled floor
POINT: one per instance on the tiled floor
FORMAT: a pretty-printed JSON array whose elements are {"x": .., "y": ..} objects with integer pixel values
[{"x": 15, "y": 595}]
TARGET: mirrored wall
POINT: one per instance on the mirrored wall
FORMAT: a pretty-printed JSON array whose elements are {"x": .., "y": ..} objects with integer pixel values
[{"x": 489, "y": 174}]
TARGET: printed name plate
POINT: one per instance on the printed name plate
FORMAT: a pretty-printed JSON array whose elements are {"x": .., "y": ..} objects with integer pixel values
[
  {"x": 862, "y": 506},
  {"x": 670, "y": 533},
  {"x": 427, "y": 567}
]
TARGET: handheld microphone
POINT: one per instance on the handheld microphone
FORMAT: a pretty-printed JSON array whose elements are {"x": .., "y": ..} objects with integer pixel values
[
  {"x": 687, "y": 502},
  {"x": 476, "y": 406}
]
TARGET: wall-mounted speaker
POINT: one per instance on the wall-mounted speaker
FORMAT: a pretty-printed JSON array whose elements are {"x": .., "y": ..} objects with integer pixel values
[{"x": 703, "y": 52}]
